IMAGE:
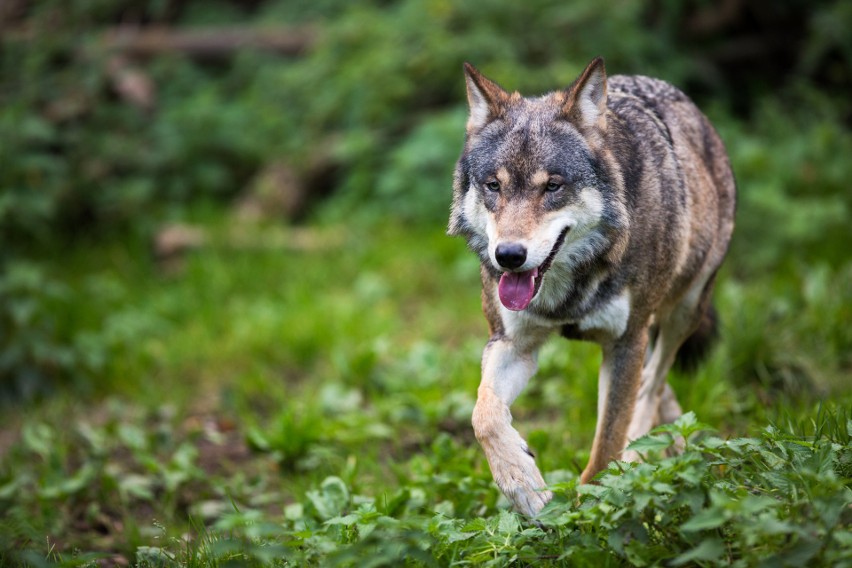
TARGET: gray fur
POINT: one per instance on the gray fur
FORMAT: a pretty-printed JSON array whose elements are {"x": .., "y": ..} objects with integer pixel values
[{"x": 667, "y": 190}]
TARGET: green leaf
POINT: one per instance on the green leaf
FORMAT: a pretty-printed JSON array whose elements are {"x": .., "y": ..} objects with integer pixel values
[
  {"x": 12, "y": 487},
  {"x": 753, "y": 504},
  {"x": 294, "y": 511},
  {"x": 712, "y": 442},
  {"x": 132, "y": 436},
  {"x": 396, "y": 504},
  {"x": 346, "y": 521},
  {"x": 799, "y": 554},
  {"x": 709, "y": 549},
  {"x": 593, "y": 490},
  {"x": 257, "y": 440},
  {"x": 70, "y": 485},
  {"x": 739, "y": 445},
  {"x": 135, "y": 485},
  {"x": 508, "y": 523},
  {"x": 844, "y": 538},
  {"x": 706, "y": 519},
  {"x": 477, "y": 525},
  {"x": 458, "y": 536},
  {"x": 38, "y": 438},
  {"x": 685, "y": 426},
  {"x": 154, "y": 556},
  {"x": 331, "y": 499},
  {"x": 651, "y": 443},
  {"x": 686, "y": 420}
]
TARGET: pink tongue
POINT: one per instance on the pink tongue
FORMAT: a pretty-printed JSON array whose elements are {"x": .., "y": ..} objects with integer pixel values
[{"x": 516, "y": 289}]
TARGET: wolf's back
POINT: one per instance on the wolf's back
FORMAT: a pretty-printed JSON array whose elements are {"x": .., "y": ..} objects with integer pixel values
[
  {"x": 637, "y": 99},
  {"x": 678, "y": 171},
  {"x": 664, "y": 120}
]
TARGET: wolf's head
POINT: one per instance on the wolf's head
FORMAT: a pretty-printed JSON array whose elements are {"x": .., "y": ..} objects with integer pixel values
[{"x": 531, "y": 188}]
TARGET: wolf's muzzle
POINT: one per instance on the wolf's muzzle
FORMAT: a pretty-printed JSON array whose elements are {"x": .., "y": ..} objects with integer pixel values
[{"x": 510, "y": 255}]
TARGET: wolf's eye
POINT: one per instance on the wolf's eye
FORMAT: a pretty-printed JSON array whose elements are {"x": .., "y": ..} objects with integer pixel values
[
  {"x": 493, "y": 185},
  {"x": 552, "y": 186}
]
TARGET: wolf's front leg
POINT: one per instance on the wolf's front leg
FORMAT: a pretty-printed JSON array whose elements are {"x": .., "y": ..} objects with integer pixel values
[
  {"x": 618, "y": 383},
  {"x": 505, "y": 371}
]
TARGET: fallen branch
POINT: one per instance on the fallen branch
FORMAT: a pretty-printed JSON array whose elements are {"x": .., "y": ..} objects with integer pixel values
[{"x": 208, "y": 43}]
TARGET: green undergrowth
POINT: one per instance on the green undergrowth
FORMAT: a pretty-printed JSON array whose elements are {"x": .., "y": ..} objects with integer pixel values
[
  {"x": 779, "y": 498},
  {"x": 302, "y": 396}
]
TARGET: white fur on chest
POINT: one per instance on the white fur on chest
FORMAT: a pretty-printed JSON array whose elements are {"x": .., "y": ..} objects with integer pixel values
[{"x": 611, "y": 317}]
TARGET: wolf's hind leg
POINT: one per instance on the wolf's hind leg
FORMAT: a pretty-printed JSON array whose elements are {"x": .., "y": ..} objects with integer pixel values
[
  {"x": 646, "y": 412},
  {"x": 617, "y": 384},
  {"x": 505, "y": 372},
  {"x": 656, "y": 402},
  {"x": 670, "y": 409}
]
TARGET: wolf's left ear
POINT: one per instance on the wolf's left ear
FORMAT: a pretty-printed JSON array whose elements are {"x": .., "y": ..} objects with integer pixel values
[
  {"x": 487, "y": 99},
  {"x": 585, "y": 99}
]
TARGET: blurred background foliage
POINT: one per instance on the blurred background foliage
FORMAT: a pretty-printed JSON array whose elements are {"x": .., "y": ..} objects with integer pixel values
[
  {"x": 363, "y": 119},
  {"x": 222, "y": 242}
]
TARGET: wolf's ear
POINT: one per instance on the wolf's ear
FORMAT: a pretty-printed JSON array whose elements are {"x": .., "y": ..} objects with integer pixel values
[
  {"x": 487, "y": 99},
  {"x": 585, "y": 99}
]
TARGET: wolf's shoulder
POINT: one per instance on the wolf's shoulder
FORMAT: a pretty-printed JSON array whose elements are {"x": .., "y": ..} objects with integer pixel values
[
  {"x": 651, "y": 91},
  {"x": 645, "y": 102}
]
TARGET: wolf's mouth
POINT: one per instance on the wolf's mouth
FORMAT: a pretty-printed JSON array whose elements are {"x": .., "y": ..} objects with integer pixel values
[{"x": 517, "y": 289}]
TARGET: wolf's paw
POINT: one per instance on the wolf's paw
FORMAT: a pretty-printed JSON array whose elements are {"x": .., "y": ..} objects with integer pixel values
[
  {"x": 631, "y": 456},
  {"x": 521, "y": 482},
  {"x": 528, "y": 501}
]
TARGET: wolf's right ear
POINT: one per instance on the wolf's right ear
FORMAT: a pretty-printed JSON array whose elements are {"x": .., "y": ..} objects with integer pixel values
[
  {"x": 487, "y": 99},
  {"x": 585, "y": 100}
]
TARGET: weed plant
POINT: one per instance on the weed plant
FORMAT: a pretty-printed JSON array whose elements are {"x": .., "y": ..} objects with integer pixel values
[
  {"x": 356, "y": 447},
  {"x": 297, "y": 395}
]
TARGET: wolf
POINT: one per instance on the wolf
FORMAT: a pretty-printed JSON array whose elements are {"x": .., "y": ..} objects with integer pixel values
[{"x": 600, "y": 212}]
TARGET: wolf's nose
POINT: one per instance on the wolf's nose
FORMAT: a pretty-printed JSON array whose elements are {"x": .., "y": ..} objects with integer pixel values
[{"x": 510, "y": 255}]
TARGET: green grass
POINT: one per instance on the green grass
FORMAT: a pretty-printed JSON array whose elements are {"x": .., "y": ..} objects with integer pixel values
[{"x": 302, "y": 396}]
